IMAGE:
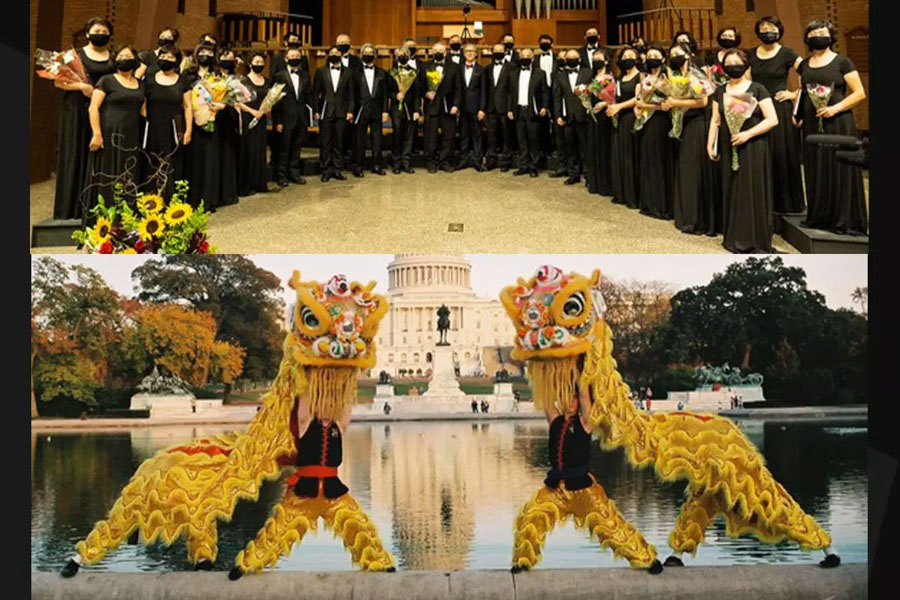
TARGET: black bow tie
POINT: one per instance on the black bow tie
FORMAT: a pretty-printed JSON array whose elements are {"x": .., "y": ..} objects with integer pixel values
[
  {"x": 526, "y": 68},
  {"x": 368, "y": 67},
  {"x": 335, "y": 68},
  {"x": 469, "y": 66},
  {"x": 293, "y": 71}
]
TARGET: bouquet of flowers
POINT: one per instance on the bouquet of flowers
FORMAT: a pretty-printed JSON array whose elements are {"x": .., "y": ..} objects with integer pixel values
[
  {"x": 405, "y": 78},
  {"x": 64, "y": 67},
  {"x": 605, "y": 90},
  {"x": 718, "y": 73},
  {"x": 273, "y": 97},
  {"x": 434, "y": 79},
  {"x": 216, "y": 89},
  {"x": 738, "y": 108},
  {"x": 149, "y": 227},
  {"x": 583, "y": 93},
  {"x": 819, "y": 95},
  {"x": 653, "y": 89},
  {"x": 693, "y": 85}
]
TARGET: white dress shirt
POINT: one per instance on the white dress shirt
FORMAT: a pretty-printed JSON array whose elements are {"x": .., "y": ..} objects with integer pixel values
[
  {"x": 497, "y": 70},
  {"x": 590, "y": 55},
  {"x": 345, "y": 60},
  {"x": 412, "y": 64},
  {"x": 468, "y": 70},
  {"x": 369, "y": 72},
  {"x": 335, "y": 77},
  {"x": 508, "y": 56},
  {"x": 295, "y": 81},
  {"x": 524, "y": 82},
  {"x": 573, "y": 77},
  {"x": 546, "y": 64},
  {"x": 456, "y": 58}
]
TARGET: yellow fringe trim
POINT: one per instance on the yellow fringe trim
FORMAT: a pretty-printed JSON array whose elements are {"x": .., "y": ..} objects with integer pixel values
[
  {"x": 553, "y": 382},
  {"x": 330, "y": 390}
]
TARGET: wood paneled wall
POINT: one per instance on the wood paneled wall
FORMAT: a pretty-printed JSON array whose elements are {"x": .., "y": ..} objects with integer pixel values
[{"x": 376, "y": 22}]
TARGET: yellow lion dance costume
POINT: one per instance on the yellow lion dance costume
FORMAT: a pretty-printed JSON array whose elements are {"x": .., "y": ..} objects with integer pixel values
[
  {"x": 563, "y": 336},
  {"x": 184, "y": 490}
]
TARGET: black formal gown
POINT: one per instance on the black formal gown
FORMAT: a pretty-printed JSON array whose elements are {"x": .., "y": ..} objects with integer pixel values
[
  {"x": 834, "y": 191},
  {"x": 228, "y": 122},
  {"x": 598, "y": 150},
  {"x": 772, "y": 73},
  {"x": 120, "y": 124},
  {"x": 712, "y": 175},
  {"x": 693, "y": 201},
  {"x": 656, "y": 171},
  {"x": 213, "y": 161},
  {"x": 748, "y": 192},
  {"x": 74, "y": 139},
  {"x": 624, "y": 159},
  {"x": 252, "y": 171},
  {"x": 164, "y": 158}
]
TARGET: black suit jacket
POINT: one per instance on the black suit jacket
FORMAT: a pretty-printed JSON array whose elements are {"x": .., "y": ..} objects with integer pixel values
[
  {"x": 514, "y": 58},
  {"x": 475, "y": 96},
  {"x": 279, "y": 64},
  {"x": 563, "y": 93},
  {"x": 413, "y": 99},
  {"x": 354, "y": 62},
  {"x": 449, "y": 91},
  {"x": 538, "y": 92},
  {"x": 292, "y": 109},
  {"x": 371, "y": 106},
  {"x": 583, "y": 53},
  {"x": 334, "y": 104},
  {"x": 498, "y": 94}
]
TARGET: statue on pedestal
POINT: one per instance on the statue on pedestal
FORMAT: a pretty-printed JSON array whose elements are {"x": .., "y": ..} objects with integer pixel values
[{"x": 443, "y": 324}]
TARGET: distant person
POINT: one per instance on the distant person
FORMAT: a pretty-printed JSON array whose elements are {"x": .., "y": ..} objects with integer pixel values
[
  {"x": 740, "y": 401},
  {"x": 193, "y": 405},
  {"x": 680, "y": 405},
  {"x": 474, "y": 407},
  {"x": 387, "y": 408},
  {"x": 648, "y": 404},
  {"x": 484, "y": 406}
]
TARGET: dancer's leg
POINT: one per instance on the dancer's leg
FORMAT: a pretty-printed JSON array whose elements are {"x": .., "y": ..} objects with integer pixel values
[
  {"x": 536, "y": 518},
  {"x": 347, "y": 519}
]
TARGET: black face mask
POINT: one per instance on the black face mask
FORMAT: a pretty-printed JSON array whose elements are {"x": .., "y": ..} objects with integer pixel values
[
  {"x": 455, "y": 47},
  {"x": 204, "y": 60},
  {"x": 165, "y": 42},
  {"x": 294, "y": 62},
  {"x": 545, "y": 46},
  {"x": 599, "y": 64},
  {"x": 676, "y": 62},
  {"x": 768, "y": 37},
  {"x": 498, "y": 56},
  {"x": 403, "y": 60},
  {"x": 165, "y": 64},
  {"x": 572, "y": 63},
  {"x": 438, "y": 56},
  {"x": 334, "y": 59},
  {"x": 126, "y": 64},
  {"x": 818, "y": 42},
  {"x": 293, "y": 44},
  {"x": 525, "y": 62},
  {"x": 509, "y": 45},
  {"x": 344, "y": 48},
  {"x": 652, "y": 63},
  {"x": 735, "y": 71},
  {"x": 99, "y": 39},
  {"x": 726, "y": 43},
  {"x": 259, "y": 68},
  {"x": 227, "y": 65},
  {"x": 591, "y": 40},
  {"x": 368, "y": 58},
  {"x": 626, "y": 64}
]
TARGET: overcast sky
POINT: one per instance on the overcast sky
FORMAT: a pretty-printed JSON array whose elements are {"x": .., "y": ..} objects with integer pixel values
[{"x": 833, "y": 275}]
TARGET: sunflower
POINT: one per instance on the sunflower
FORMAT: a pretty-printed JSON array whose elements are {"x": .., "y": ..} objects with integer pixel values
[
  {"x": 101, "y": 231},
  {"x": 178, "y": 212},
  {"x": 150, "y": 227},
  {"x": 151, "y": 204},
  {"x": 128, "y": 251}
]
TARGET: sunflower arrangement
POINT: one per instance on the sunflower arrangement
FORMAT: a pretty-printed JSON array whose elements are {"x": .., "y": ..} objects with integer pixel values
[{"x": 147, "y": 226}]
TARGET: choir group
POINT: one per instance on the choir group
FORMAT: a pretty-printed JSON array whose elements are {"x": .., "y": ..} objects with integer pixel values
[{"x": 522, "y": 110}]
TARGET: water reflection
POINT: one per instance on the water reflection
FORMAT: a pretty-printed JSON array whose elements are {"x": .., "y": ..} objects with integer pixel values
[{"x": 444, "y": 495}]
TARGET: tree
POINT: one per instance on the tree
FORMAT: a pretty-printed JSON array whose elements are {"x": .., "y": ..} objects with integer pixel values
[
  {"x": 243, "y": 299},
  {"x": 860, "y": 296},
  {"x": 178, "y": 339}
]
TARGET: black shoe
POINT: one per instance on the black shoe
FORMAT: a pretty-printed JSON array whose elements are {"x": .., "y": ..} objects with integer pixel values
[
  {"x": 489, "y": 167},
  {"x": 534, "y": 173},
  {"x": 480, "y": 169},
  {"x": 656, "y": 568},
  {"x": 830, "y": 561},
  {"x": 325, "y": 176},
  {"x": 357, "y": 173},
  {"x": 378, "y": 171},
  {"x": 448, "y": 169},
  {"x": 70, "y": 569},
  {"x": 235, "y": 573},
  {"x": 558, "y": 174},
  {"x": 673, "y": 561},
  {"x": 203, "y": 565},
  {"x": 409, "y": 170},
  {"x": 504, "y": 169},
  {"x": 283, "y": 183},
  {"x": 397, "y": 170},
  {"x": 572, "y": 180},
  {"x": 522, "y": 172},
  {"x": 518, "y": 569},
  {"x": 432, "y": 169},
  {"x": 339, "y": 176},
  {"x": 298, "y": 180}
]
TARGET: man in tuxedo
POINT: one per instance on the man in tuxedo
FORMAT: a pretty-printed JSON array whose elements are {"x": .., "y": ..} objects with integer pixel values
[
  {"x": 499, "y": 147},
  {"x": 455, "y": 55},
  {"x": 334, "y": 104},
  {"x": 291, "y": 118},
  {"x": 471, "y": 117},
  {"x": 546, "y": 60},
  {"x": 559, "y": 131},
  {"x": 413, "y": 49},
  {"x": 440, "y": 107},
  {"x": 372, "y": 89},
  {"x": 352, "y": 62},
  {"x": 591, "y": 43},
  {"x": 404, "y": 114},
  {"x": 510, "y": 54},
  {"x": 279, "y": 61},
  {"x": 572, "y": 116},
  {"x": 528, "y": 100}
]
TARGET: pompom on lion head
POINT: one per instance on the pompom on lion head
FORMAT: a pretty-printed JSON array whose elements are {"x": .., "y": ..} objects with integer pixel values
[
  {"x": 334, "y": 324},
  {"x": 555, "y": 315}
]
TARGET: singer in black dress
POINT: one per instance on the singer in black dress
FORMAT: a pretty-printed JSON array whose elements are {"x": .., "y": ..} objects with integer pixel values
[
  {"x": 770, "y": 65},
  {"x": 75, "y": 127},
  {"x": 656, "y": 173},
  {"x": 252, "y": 170},
  {"x": 624, "y": 159},
  {"x": 228, "y": 124},
  {"x": 748, "y": 220},
  {"x": 834, "y": 191},
  {"x": 203, "y": 153},
  {"x": 169, "y": 125},
  {"x": 598, "y": 159},
  {"x": 116, "y": 127}
]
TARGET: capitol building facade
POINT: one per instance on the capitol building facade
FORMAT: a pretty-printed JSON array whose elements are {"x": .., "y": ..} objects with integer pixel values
[{"x": 417, "y": 286}]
